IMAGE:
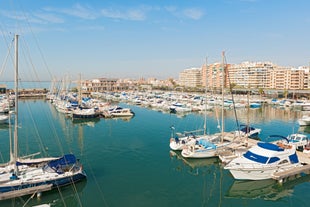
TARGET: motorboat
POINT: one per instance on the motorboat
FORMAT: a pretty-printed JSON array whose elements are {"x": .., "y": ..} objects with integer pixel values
[
  {"x": 299, "y": 140},
  {"x": 304, "y": 120},
  {"x": 262, "y": 160},
  {"x": 119, "y": 111},
  {"x": 247, "y": 131}
]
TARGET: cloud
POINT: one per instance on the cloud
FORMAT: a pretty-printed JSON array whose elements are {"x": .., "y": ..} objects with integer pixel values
[
  {"x": 51, "y": 18},
  {"x": 135, "y": 14},
  {"x": 189, "y": 13},
  {"x": 77, "y": 10},
  {"x": 36, "y": 17},
  {"x": 193, "y": 13}
]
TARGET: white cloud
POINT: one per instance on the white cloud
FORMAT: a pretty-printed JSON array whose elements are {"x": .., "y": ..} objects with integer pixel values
[
  {"x": 77, "y": 10},
  {"x": 193, "y": 13},
  {"x": 51, "y": 18},
  {"x": 137, "y": 14},
  {"x": 190, "y": 13}
]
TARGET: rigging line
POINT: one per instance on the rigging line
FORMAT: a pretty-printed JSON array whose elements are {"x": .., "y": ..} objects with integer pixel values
[
  {"x": 7, "y": 57},
  {"x": 97, "y": 184},
  {"x": 61, "y": 196},
  {"x": 76, "y": 193},
  {"x": 28, "y": 59},
  {"x": 37, "y": 44},
  {"x": 232, "y": 95},
  {"x": 31, "y": 197},
  {"x": 36, "y": 130}
]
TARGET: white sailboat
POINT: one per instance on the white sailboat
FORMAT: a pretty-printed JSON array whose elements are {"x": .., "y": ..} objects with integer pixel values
[
  {"x": 210, "y": 145},
  {"x": 23, "y": 177},
  {"x": 180, "y": 141}
]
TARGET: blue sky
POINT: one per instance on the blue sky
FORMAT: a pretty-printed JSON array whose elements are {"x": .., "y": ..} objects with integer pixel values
[{"x": 134, "y": 39}]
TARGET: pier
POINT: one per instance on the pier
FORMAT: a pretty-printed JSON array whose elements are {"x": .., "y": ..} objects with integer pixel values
[
  {"x": 295, "y": 172},
  {"x": 26, "y": 191}
]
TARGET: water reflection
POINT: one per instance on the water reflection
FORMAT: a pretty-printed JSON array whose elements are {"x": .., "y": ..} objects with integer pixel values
[
  {"x": 85, "y": 122},
  {"x": 195, "y": 165},
  {"x": 66, "y": 196},
  {"x": 304, "y": 129},
  {"x": 264, "y": 189},
  {"x": 4, "y": 126}
]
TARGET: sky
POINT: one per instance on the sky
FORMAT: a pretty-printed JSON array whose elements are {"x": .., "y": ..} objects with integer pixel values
[{"x": 143, "y": 39}]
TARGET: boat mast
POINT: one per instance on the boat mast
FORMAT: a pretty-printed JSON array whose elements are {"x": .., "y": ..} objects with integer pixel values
[
  {"x": 223, "y": 82},
  {"x": 205, "y": 103},
  {"x": 15, "y": 151}
]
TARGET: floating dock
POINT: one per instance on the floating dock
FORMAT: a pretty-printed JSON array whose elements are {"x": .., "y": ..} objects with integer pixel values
[
  {"x": 26, "y": 191},
  {"x": 294, "y": 172}
]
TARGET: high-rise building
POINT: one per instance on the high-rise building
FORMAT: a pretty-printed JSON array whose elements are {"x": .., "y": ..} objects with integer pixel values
[{"x": 191, "y": 77}]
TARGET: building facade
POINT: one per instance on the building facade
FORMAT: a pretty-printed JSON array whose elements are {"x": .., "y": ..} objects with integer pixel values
[{"x": 191, "y": 77}]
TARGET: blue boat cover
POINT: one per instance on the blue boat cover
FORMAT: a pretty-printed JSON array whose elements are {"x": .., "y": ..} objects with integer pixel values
[
  {"x": 247, "y": 129},
  {"x": 207, "y": 144},
  {"x": 270, "y": 146},
  {"x": 65, "y": 160}
]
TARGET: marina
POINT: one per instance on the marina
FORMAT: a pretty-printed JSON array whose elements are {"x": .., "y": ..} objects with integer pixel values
[{"x": 138, "y": 166}]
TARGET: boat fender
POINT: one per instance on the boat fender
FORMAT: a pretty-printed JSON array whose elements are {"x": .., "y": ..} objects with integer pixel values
[{"x": 14, "y": 177}]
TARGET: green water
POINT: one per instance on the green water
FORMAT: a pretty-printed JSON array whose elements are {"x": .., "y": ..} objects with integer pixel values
[{"x": 129, "y": 163}]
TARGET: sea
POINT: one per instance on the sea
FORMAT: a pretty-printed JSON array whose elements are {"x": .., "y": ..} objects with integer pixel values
[{"x": 128, "y": 162}]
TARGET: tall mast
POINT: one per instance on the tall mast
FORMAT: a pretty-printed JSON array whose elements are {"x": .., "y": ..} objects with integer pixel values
[
  {"x": 205, "y": 103},
  {"x": 223, "y": 82},
  {"x": 15, "y": 152}
]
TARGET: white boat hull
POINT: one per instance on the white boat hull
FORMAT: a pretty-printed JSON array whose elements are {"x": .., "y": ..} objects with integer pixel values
[
  {"x": 187, "y": 153},
  {"x": 262, "y": 173}
]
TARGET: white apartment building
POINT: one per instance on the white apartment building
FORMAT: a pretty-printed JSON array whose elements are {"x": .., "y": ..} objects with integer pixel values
[
  {"x": 250, "y": 74},
  {"x": 246, "y": 75},
  {"x": 191, "y": 77}
]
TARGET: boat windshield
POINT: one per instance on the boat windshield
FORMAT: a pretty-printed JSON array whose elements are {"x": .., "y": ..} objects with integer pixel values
[{"x": 259, "y": 158}]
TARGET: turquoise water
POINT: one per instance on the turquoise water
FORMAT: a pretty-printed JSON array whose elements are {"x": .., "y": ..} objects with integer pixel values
[{"x": 129, "y": 163}]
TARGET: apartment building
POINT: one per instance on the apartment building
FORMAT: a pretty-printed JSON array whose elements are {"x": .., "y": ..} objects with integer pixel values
[
  {"x": 250, "y": 74},
  {"x": 255, "y": 75},
  {"x": 103, "y": 84},
  {"x": 191, "y": 77},
  {"x": 212, "y": 76}
]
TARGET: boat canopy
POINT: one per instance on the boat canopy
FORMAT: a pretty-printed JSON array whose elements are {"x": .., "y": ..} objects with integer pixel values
[
  {"x": 61, "y": 164},
  {"x": 246, "y": 129},
  {"x": 67, "y": 159},
  {"x": 207, "y": 144},
  {"x": 270, "y": 146}
]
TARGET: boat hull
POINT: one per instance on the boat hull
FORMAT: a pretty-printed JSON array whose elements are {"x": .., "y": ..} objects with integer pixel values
[
  {"x": 199, "y": 153},
  {"x": 262, "y": 173},
  {"x": 61, "y": 181}
]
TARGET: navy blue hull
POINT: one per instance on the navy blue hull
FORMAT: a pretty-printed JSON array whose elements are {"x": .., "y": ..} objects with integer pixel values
[
  {"x": 55, "y": 183},
  {"x": 79, "y": 116}
]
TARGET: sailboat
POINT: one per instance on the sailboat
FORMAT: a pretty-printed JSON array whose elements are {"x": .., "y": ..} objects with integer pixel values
[
  {"x": 206, "y": 147},
  {"x": 24, "y": 178},
  {"x": 180, "y": 141}
]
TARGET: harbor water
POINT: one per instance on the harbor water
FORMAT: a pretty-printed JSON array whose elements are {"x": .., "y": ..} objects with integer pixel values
[{"x": 129, "y": 163}]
